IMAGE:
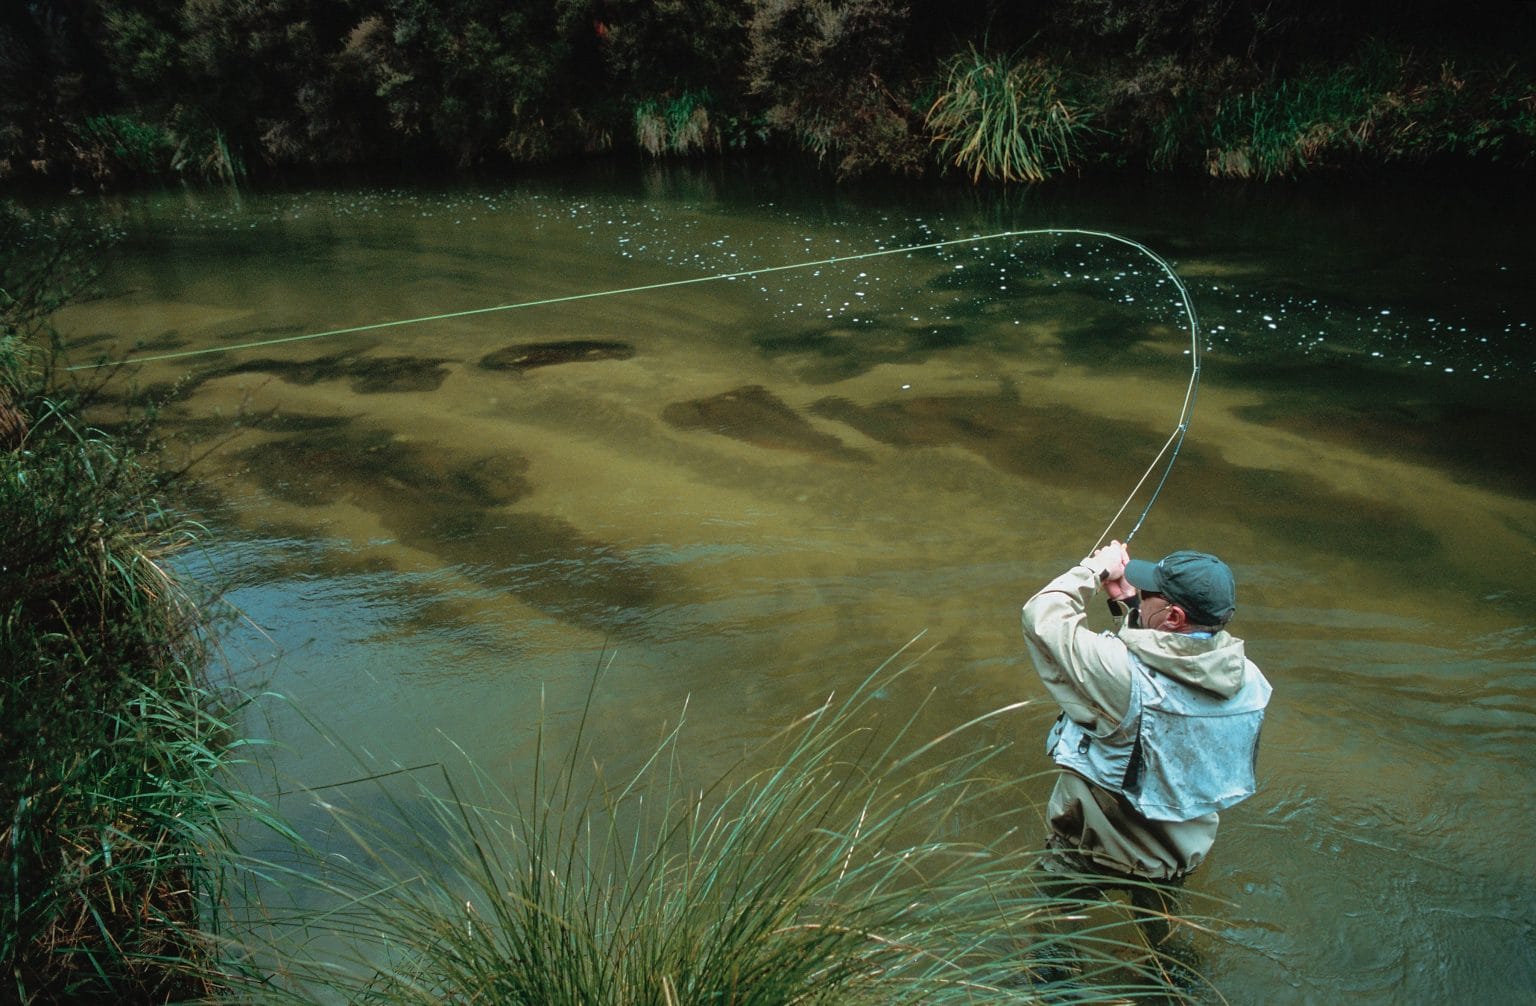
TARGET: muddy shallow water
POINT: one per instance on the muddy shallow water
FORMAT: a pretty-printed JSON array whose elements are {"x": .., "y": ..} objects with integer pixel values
[{"x": 749, "y": 492}]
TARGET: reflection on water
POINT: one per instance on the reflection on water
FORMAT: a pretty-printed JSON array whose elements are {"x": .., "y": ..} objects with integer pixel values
[{"x": 749, "y": 493}]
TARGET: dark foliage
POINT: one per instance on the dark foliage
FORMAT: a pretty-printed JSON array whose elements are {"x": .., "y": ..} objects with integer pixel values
[
  {"x": 833, "y": 72},
  {"x": 102, "y": 92}
]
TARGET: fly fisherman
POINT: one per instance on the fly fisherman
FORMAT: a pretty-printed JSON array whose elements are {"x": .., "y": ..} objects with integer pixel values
[{"x": 1159, "y": 727}]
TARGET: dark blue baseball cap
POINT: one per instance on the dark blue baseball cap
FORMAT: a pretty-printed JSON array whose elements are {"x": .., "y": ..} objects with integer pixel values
[{"x": 1201, "y": 584}]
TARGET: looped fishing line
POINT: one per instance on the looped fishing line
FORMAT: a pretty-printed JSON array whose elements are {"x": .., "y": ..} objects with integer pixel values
[{"x": 1170, "y": 448}]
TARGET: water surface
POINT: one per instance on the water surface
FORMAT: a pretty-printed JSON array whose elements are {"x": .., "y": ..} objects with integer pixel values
[{"x": 748, "y": 493}]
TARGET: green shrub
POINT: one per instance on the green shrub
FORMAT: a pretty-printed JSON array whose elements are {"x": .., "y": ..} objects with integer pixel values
[
  {"x": 1485, "y": 111},
  {"x": 116, "y": 145},
  {"x": 1381, "y": 105},
  {"x": 838, "y": 79}
]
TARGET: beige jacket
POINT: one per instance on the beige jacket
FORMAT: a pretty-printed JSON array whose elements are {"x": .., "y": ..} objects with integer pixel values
[{"x": 1089, "y": 676}]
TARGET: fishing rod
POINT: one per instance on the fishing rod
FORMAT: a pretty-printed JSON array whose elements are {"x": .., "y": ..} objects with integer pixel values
[
  {"x": 1170, "y": 448},
  {"x": 1175, "y": 439}
]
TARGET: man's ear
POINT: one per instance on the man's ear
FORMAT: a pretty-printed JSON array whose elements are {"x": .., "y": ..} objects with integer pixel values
[{"x": 1176, "y": 620}]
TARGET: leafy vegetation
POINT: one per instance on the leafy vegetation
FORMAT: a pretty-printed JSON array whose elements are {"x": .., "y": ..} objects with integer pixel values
[
  {"x": 1379, "y": 105},
  {"x": 838, "y": 81}
]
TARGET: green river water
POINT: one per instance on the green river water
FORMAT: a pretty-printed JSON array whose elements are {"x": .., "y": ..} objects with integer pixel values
[{"x": 748, "y": 493}]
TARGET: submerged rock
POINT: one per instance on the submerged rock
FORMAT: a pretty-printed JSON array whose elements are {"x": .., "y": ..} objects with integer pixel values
[
  {"x": 376, "y": 471},
  {"x": 755, "y": 415},
  {"x": 396, "y": 373},
  {"x": 528, "y": 355},
  {"x": 461, "y": 509},
  {"x": 367, "y": 374},
  {"x": 830, "y": 355}
]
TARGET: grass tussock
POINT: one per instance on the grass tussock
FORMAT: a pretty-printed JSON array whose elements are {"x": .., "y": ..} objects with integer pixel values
[
  {"x": 111, "y": 741},
  {"x": 1006, "y": 117},
  {"x": 845, "y": 863},
  {"x": 676, "y": 125}
]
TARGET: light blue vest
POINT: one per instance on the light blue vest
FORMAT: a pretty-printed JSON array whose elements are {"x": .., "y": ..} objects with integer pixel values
[{"x": 1180, "y": 752}]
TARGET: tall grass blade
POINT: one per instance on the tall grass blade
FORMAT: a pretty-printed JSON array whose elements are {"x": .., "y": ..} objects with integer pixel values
[{"x": 847, "y": 861}]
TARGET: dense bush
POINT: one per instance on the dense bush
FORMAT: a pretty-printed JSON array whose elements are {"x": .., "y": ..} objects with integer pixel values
[
  {"x": 1378, "y": 106},
  {"x": 834, "y": 77}
]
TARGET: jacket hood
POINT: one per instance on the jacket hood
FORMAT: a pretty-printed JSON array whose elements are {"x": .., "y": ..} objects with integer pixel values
[{"x": 1215, "y": 664}]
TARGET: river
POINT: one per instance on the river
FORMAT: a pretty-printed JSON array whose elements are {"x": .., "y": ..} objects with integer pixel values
[{"x": 746, "y": 493}]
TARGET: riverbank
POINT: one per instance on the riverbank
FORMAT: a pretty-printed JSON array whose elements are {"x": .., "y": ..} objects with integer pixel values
[
  {"x": 112, "y": 94},
  {"x": 114, "y": 743}
]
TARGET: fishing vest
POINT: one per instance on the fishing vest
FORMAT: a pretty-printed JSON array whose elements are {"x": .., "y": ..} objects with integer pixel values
[{"x": 1179, "y": 753}]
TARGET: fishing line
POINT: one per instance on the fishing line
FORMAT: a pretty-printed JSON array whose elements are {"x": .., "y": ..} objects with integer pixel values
[{"x": 1170, "y": 447}]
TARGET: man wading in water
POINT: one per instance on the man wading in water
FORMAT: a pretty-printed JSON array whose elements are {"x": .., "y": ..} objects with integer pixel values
[{"x": 1159, "y": 727}]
